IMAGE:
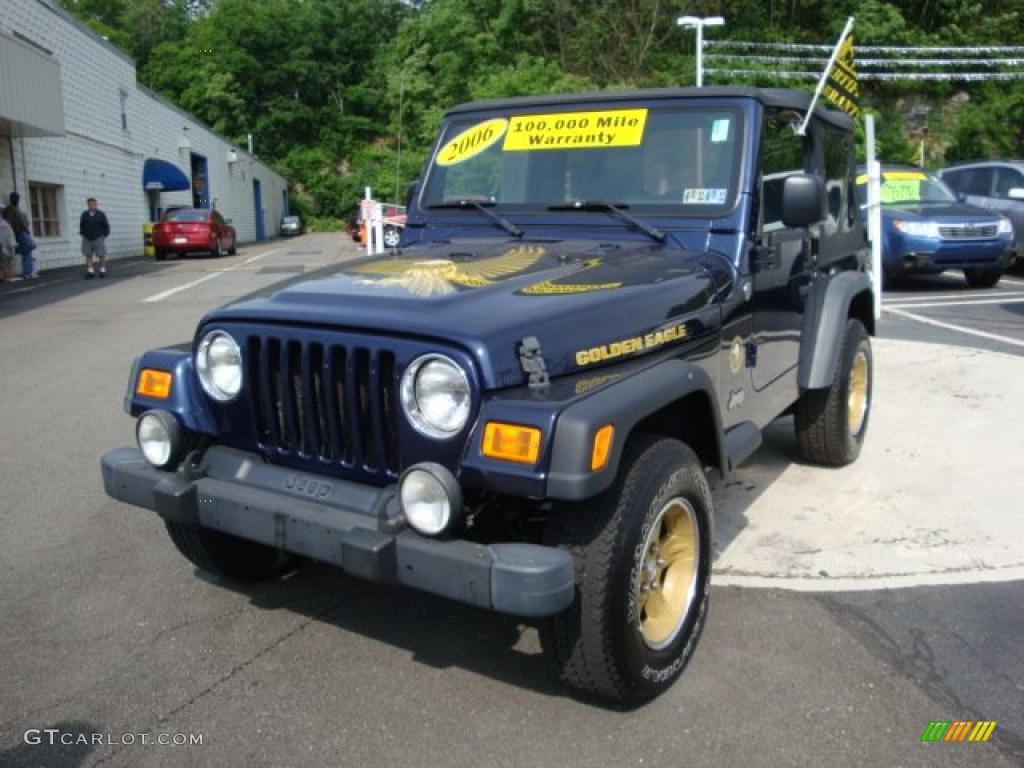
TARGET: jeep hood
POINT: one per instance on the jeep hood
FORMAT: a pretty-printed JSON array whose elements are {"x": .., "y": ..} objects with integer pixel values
[{"x": 487, "y": 295}]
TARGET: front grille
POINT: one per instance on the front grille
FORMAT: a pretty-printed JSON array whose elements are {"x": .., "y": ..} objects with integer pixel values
[
  {"x": 967, "y": 231},
  {"x": 328, "y": 402}
]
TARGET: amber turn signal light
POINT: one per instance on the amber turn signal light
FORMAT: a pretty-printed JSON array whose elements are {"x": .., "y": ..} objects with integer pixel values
[
  {"x": 155, "y": 384},
  {"x": 602, "y": 447},
  {"x": 511, "y": 442}
]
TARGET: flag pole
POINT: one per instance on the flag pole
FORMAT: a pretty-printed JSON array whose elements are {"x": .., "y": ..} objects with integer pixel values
[{"x": 824, "y": 75}]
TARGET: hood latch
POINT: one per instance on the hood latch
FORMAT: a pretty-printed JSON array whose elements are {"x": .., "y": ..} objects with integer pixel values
[{"x": 531, "y": 358}]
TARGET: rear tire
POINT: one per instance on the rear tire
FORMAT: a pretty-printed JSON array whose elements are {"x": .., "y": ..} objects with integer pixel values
[
  {"x": 831, "y": 423},
  {"x": 391, "y": 237},
  {"x": 233, "y": 250},
  {"x": 983, "y": 278},
  {"x": 160, "y": 255},
  {"x": 227, "y": 556},
  {"x": 217, "y": 252},
  {"x": 636, "y": 620}
]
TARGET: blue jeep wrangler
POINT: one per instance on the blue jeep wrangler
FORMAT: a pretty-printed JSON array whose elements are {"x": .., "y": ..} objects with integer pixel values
[{"x": 599, "y": 302}]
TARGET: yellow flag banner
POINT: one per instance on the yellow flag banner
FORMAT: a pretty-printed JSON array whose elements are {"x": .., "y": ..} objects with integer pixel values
[{"x": 841, "y": 86}]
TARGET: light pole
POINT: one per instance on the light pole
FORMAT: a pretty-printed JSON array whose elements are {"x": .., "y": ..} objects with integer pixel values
[
  {"x": 698, "y": 23},
  {"x": 398, "y": 159}
]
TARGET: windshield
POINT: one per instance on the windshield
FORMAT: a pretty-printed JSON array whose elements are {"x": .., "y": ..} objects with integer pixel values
[
  {"x": 187, "y": 214},
  {"x": 900, "y": 187},
  {"x": 681, "y": 161}
]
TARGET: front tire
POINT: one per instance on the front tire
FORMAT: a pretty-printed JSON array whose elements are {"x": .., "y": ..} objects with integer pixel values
[
  {"x": 217, "y": 252},
  {"x": 642, "y": 551},
  {"x": 226, "y": 556},
  {"x": 831, "y": 423},
  {"x": 392, "y": 237},
  {"x": 983, "y": 278},
  {"x": 160, "y": 255}
]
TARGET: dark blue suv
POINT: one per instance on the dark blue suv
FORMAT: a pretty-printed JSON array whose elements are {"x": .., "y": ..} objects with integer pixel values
[{"x": 598, "y": 304}]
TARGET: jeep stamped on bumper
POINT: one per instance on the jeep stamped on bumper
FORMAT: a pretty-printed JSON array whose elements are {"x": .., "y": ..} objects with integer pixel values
[{"x": 599, "y": 302}]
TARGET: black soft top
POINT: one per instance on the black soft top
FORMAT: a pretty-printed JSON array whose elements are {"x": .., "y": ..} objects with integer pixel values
[{"x": 787, "y": 98}]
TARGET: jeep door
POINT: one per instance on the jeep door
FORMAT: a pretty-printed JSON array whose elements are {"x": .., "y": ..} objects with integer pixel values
[{"x": 779, "y": 260}]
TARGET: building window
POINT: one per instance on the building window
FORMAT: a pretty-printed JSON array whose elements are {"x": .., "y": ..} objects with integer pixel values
[
  {"x": 45, "y": 209},
  {"x": 124, "y": 110}
]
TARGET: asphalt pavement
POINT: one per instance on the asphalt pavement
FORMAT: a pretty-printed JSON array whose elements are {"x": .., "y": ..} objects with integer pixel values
[
  {"x": 852, "y": 607},
  {"x": 943, "y": 309}
]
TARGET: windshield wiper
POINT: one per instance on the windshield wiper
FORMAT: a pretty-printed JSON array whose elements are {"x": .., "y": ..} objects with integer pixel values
[
  {"x": 501, "y": 221},
  {"x": 616, "y": 210}
]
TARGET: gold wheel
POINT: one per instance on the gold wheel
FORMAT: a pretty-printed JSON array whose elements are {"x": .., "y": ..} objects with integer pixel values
[
  {"x": 667, "y": 580},
  {"x": 857, "y": 393}
]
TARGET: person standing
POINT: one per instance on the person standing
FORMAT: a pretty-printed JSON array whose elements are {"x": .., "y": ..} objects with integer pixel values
[
  {"x": 94, "y": 229},
  {"x": 6, "y": 248},
  {"x": 22, "y": 235}
]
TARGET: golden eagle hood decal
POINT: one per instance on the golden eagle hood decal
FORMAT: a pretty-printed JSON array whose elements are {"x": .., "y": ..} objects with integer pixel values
[{"x": 436, "y": 277}]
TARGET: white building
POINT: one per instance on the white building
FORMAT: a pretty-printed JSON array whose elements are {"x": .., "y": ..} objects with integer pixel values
[{"x": 74, "y": 123}]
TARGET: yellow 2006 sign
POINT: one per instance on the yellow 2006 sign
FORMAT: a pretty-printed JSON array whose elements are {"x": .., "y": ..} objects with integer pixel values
[
  {"x": 472, "y": 141},
  {"x": 576, "y": 130}
]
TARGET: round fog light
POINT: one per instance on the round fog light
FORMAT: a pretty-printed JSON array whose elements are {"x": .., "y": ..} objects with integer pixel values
[
  {"x": 431, "y": 499},
  {"x": 159, "y": 437}
]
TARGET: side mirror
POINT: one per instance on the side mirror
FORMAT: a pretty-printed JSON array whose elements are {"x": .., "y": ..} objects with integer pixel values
[
  {"x": 410, "y": 193},
  {"x": 1016, "y": 193},
  {"x": 803, "y": 200}
]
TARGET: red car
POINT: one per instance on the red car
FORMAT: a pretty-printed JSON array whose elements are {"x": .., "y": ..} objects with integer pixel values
[{"x": 191, "y": 230}]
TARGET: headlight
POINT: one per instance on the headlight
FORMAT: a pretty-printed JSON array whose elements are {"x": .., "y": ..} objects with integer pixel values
[
  {"x": 159, "y": 437},
  {"x": 1005, "y": 227},
  {"x": 219, "y": 365},
  {"x": 435, "y": 396},
  {"x": 917, "y": 228},
  {"x": 431, "y": 499}
]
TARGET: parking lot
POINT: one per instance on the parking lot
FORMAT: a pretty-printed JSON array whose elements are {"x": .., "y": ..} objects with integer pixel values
[
  {"x": 851, "y": 607},
  {"x": 944, "y": 310}
]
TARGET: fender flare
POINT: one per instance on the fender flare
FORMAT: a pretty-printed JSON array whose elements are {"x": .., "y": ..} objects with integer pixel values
[
  {"x": 624, "y": 405},
  {"x": 185, "y": 401},
  {"x": 825, "y": 315}
]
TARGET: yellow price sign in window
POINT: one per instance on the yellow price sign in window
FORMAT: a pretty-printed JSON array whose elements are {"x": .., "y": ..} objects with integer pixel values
[
  {"x": 576, "y": 130},
  {"x": 901, "y": 186}
]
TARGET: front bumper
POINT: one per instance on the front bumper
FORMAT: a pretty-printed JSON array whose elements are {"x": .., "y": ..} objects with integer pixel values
[
  {"x": 356, "y": 527},
  {"x": 929, "y": 255}
]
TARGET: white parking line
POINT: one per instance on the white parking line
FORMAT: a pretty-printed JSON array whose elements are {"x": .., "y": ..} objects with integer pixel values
[
  {"x": 171, "y": 291},
  {"x": 1011, "y": 281},
  {"x": 966, "y": 295},
  {"x": 974, "y": 303},
  {"x": 959, "y": 328}
]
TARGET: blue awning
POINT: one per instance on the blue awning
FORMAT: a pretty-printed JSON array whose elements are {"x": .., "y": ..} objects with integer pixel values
[{"x": 163, "y": 176}]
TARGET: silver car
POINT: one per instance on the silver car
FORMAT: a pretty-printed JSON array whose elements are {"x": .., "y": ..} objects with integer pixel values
[{"x": 292, "y": 225}]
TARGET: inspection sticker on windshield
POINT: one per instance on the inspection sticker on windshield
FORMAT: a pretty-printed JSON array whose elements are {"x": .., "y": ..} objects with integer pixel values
[
  {"x": 472, "y": 141},
  {"x": 576, "y": 130},
  {"x": 720, "y": 131},
  {"x": 703, "y": 196}
]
